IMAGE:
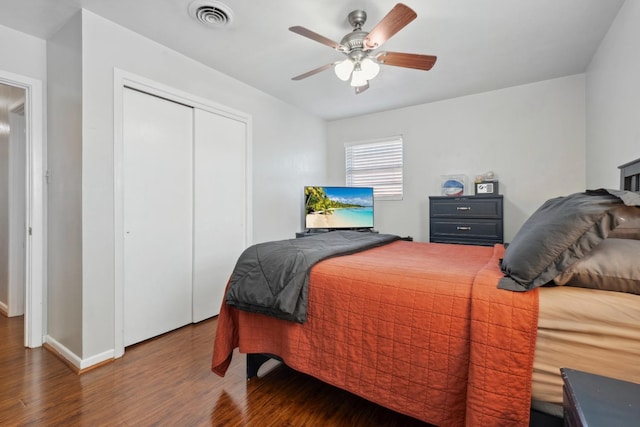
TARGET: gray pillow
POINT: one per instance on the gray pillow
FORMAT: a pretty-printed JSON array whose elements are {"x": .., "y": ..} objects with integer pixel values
[
  {"x": 611, "y": 266},
  {"x": 560, "y": 232}
]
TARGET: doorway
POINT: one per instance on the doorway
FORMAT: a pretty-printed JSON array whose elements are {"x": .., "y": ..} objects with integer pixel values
[
  {"x": 27, "y": 223},
  {"x": 12, "y": 200}
]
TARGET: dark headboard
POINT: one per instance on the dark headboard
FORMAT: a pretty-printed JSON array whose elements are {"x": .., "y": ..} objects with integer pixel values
[{"x": 630, "y": 176}]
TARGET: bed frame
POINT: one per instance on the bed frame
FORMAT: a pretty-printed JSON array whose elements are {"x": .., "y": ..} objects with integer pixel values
[
  {"x": 630, "y": 176},
  {"x": 255, "y": 361}
]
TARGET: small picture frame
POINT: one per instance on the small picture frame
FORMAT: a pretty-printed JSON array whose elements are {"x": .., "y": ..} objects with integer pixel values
[{"x": 453, "y": 185}]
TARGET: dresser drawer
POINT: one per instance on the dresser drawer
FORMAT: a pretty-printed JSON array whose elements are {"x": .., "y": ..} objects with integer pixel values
[
  {"x": 469, "y": 220},
  {"x": 469, "y": 231},
  {"x": 466, "y": 207}
]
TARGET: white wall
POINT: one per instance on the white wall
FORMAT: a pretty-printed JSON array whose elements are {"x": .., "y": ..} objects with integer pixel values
[
  {"x": 22, "y": 54},
  {"x": 531, "y": 136},
  {"x": 288, "y": 152},
  {"x": 613, "y": 100},
  {"x": 64, "y": 137}
]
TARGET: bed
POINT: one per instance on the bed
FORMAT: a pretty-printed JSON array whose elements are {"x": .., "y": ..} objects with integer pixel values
[{"x": 423, "y": 329}]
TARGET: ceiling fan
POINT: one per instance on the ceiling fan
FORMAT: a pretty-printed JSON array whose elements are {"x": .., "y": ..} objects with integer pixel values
[{"x": 362, "y": 62}]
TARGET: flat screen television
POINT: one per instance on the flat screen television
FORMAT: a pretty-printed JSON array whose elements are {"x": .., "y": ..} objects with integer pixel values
[{"x": 336, "y": 208}]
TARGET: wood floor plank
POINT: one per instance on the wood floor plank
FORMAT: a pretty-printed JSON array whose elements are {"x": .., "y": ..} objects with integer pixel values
[{"x": 167, "y": 381}]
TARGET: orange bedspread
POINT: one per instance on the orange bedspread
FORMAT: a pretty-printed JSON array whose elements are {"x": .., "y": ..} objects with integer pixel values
[{"x": 417, "y": 327}]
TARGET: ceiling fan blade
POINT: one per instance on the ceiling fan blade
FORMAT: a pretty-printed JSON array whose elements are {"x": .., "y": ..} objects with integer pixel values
[
  {"x": 407, "y": 60},
  {"x": 312, "y": 72},
  {"x": 317, "y": 37},
  {"x": 360, "y": 89},
  {"x": 395, "y": 20}
]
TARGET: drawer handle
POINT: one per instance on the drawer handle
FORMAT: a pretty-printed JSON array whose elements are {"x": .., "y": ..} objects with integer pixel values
[
  {"x": 463, "y": 208},
  {"x": 461, "y": 228}
]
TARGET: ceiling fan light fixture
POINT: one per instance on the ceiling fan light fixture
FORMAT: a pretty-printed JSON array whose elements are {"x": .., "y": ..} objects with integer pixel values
[
  {"x": 362, "y": 63},
  {"x": 358, "y": 77},
  {"x": 370, "y": 68},
  {"x": 343, "y": 69}
]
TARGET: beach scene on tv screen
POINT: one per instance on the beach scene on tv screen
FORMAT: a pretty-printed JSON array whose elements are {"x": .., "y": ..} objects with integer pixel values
[{"x": 338, "y": 207}]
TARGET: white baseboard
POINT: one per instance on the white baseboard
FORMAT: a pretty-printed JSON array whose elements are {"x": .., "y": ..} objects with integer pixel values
[
  {"x": 4, "y": 309},
  {"x": 97, "y": 359},
  {"x": 74, "y": 360}
]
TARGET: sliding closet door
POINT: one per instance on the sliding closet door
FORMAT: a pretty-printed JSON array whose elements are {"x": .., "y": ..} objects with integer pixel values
[
  {"x": 158, "y": 215},
  {"x": 220, "y": 207}
]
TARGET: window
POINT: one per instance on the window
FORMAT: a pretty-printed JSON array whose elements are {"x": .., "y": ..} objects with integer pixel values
[{"x": 376, "y": 164}]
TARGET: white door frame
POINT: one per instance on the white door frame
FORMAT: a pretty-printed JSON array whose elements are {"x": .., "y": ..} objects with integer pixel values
[
  {"x": 34, "y": 318},
  {"x": 122, "y": 79}
]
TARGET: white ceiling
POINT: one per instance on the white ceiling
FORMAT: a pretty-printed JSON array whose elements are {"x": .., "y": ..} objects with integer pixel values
[{"x": 481, "y": 45}]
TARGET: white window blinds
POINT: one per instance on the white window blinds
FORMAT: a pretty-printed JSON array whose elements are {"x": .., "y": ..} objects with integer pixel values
[{"x": 376, "y": 164}]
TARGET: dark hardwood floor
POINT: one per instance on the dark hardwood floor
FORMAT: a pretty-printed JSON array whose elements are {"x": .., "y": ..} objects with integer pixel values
[{"x": 167, "y": 381}]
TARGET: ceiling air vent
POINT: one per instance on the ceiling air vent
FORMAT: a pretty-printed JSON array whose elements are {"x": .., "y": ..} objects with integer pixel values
[{"x": 211, "y": 13}]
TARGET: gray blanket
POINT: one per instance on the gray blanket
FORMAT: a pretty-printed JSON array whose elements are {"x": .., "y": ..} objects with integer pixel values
[{"x": 272, "y": 278}]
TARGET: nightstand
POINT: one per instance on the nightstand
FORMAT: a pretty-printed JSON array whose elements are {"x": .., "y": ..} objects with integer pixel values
[
  {"x": 594, "y": 400},
  {"x": 469, "y": 220}
]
